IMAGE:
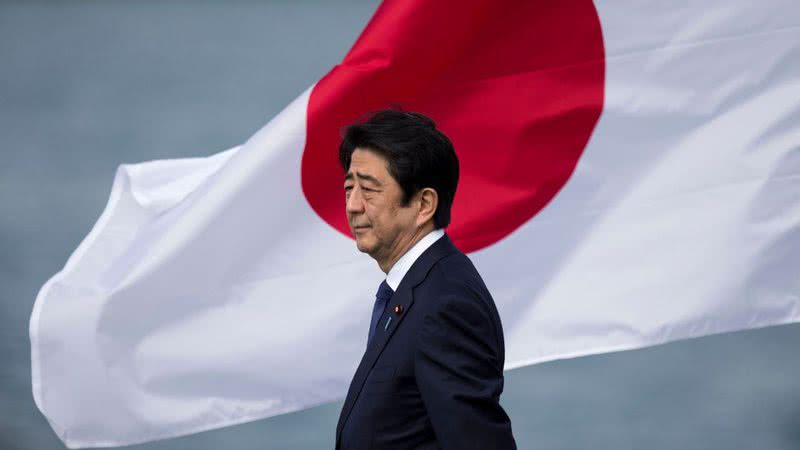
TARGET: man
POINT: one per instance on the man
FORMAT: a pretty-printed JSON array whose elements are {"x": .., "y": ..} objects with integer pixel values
[{"x": 432, "y": 373}]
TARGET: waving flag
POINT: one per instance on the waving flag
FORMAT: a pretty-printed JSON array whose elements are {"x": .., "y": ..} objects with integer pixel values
[{"x": 630, "y": 176}]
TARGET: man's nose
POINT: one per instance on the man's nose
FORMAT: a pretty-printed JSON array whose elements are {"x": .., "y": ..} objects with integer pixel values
[{"x": 354, "y": 203}]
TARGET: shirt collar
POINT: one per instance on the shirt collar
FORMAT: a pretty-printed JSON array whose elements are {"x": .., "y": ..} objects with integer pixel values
[{"x": 399, "y": 269}]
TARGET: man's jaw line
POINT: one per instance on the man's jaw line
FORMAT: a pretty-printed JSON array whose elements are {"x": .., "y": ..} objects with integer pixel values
[
  {"x": 389, "y": 262},
  {"x": 385, "y": 259}
]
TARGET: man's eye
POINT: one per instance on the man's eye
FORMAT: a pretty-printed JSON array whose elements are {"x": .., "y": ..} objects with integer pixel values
[
  {"x": 348, "y": 188},
  {"x": 368, "y": 189}
]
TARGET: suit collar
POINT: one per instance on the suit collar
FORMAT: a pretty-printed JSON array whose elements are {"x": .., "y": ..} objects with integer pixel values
[
  {"x": 402, "y": 266},
  {"x": 403, "y": 298},
  {"x": 419, "y": 270}
]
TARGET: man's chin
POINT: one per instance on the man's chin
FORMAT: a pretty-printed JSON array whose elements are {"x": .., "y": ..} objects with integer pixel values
[{"x": 362, "y": 245}]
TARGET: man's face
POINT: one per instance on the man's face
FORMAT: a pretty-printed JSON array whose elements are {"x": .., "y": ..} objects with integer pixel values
[{"x": 379, "y": 222}]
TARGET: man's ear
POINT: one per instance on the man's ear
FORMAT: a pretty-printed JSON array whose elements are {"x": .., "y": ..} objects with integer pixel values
[{"x": 428, "y": 201}]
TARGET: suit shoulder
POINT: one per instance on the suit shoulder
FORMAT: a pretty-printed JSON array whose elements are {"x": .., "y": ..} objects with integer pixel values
[
  {"x": 454, "y": 282},
  {"x": 455, "y": 298},
  {"x": 455, "y": 272}
]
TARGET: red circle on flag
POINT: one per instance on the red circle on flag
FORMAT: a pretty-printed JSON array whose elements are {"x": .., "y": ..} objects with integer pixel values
[{"x": 518, "y": 89}]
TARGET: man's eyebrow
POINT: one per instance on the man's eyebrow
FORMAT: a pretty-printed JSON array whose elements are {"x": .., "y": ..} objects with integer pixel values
[{"x": 362, "y": 176}]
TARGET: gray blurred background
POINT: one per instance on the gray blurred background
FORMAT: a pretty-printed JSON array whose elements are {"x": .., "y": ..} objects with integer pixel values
[{"x": 88, "y": 85}]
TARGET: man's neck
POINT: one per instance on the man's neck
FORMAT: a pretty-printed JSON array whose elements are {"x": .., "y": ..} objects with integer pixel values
[{"x": 406, "y": 245}]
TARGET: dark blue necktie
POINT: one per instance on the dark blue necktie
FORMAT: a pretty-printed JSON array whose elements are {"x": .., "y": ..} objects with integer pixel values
[{"x": 381, "y": 298}]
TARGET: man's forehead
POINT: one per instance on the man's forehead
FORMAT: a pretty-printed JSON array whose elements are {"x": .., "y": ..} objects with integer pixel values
[
  {"x": 360, "y": 175},
  {"x": 367, "y": 155},
  {"x": 366, "y": 164}
]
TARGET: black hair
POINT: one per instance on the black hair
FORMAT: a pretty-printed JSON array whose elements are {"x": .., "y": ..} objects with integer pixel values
[{"x": 418, "y": 154}]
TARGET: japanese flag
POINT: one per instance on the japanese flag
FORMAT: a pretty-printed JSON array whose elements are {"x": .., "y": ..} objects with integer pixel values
[{"x": 630, "y": 176}]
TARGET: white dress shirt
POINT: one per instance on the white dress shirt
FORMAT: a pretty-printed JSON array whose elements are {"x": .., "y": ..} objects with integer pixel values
[{"x": 399, "y": 269}]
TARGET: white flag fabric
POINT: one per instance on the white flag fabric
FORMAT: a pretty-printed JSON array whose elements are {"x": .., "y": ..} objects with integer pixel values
[{"x": 662, "y": 143}]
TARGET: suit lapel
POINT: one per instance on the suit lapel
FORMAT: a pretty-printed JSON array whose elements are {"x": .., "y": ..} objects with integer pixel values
[{"x": 403, "y": 297}]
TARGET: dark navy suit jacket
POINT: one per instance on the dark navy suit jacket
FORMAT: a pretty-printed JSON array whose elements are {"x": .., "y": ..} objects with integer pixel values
[{"x": 432, "y": 375}]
